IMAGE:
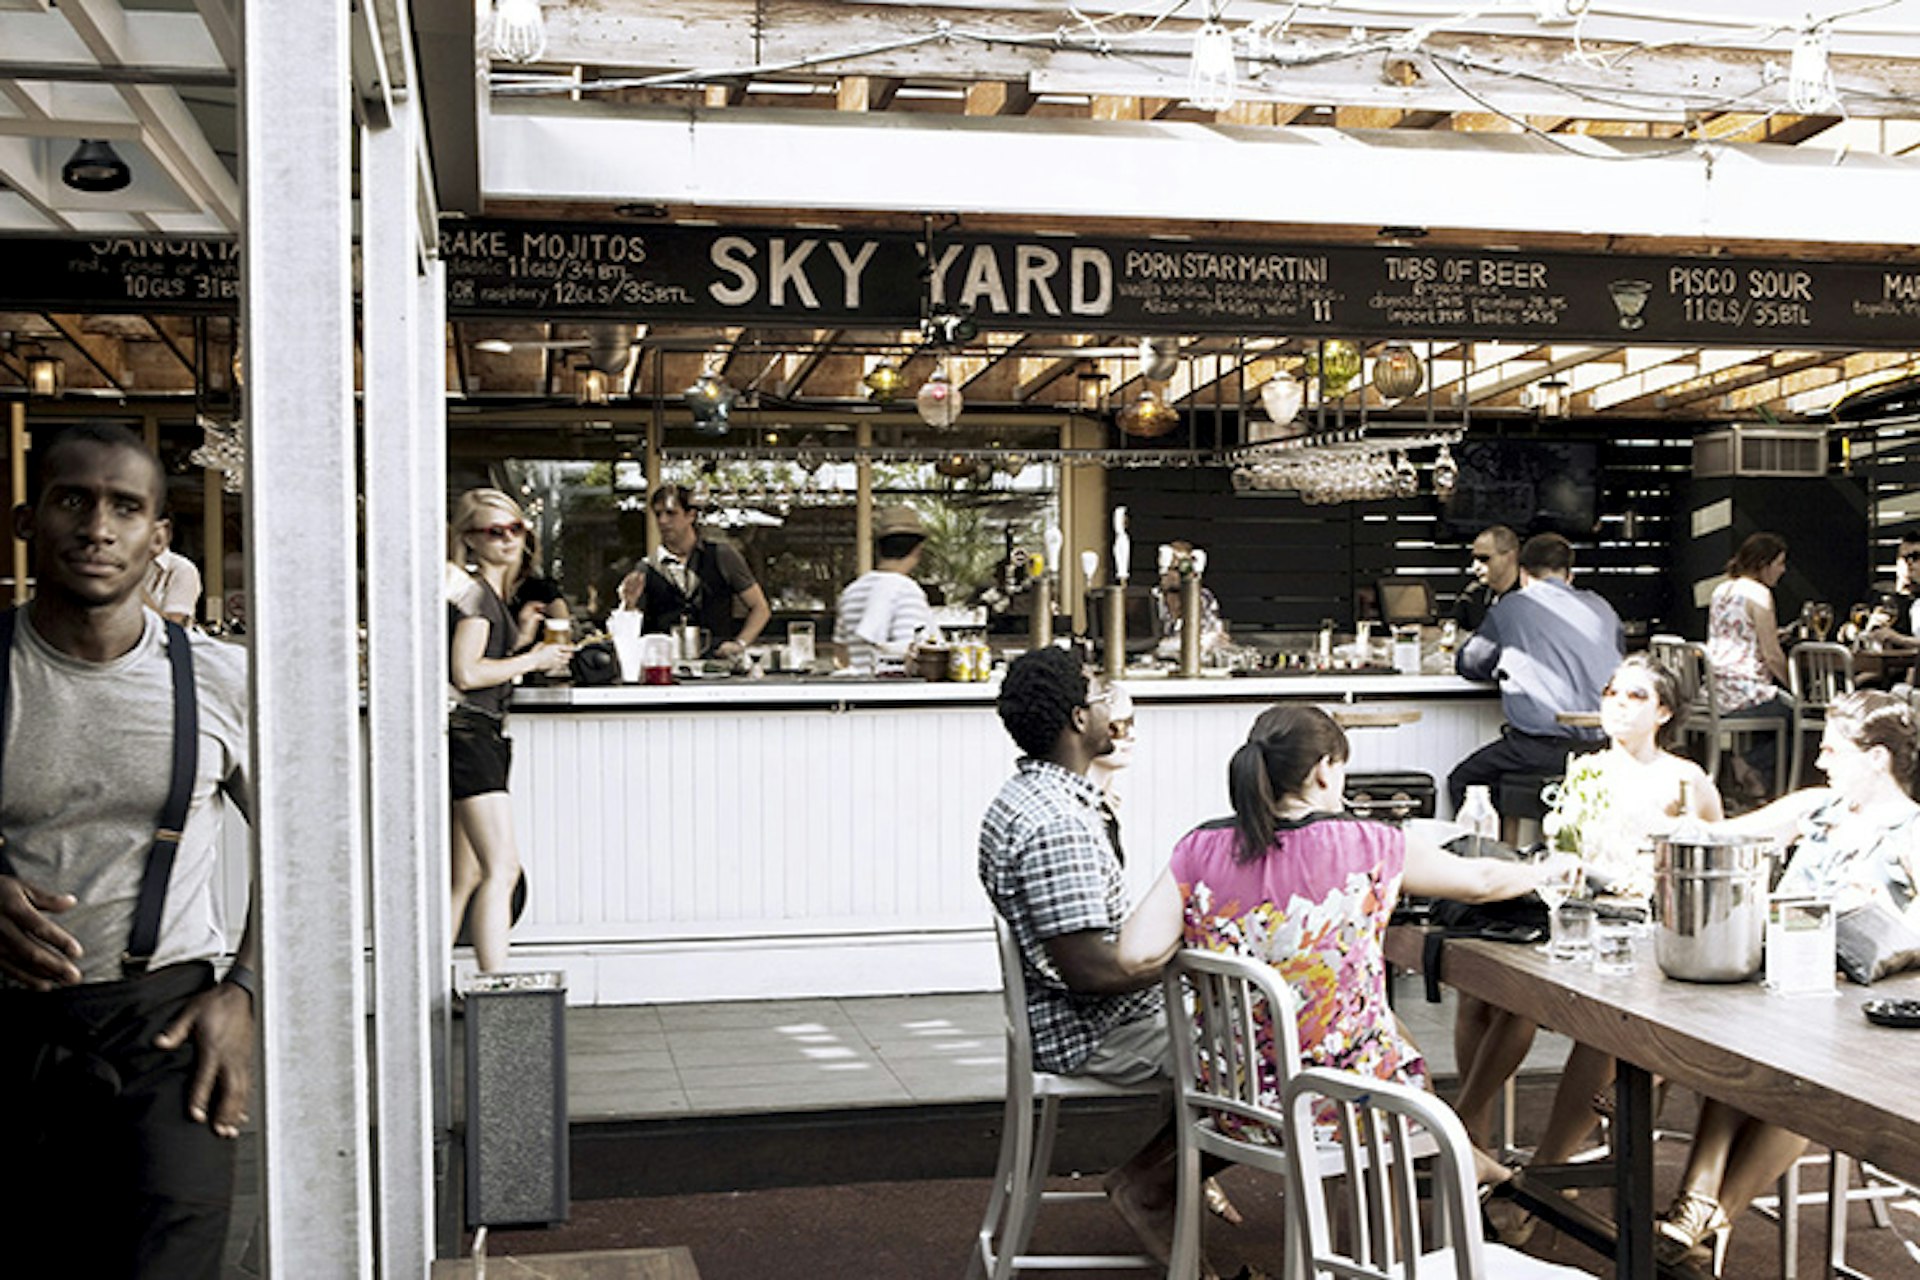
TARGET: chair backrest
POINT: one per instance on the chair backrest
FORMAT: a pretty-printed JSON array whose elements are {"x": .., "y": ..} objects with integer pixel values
[
  {"x": 1687, "y": 662},
  {"x": 1013, "y": 986},
  {"x": 1382, "y": 1128},
  {"x": 1237, "y": 1047},
  {"x": 1818, "y": 672}
]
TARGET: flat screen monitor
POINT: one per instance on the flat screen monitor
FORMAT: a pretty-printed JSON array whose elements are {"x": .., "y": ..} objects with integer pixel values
[
  {"x": 1143, "y": 624},
  {"x": 1405, "y": 601},
  {"x": 1532, "y": 486}
]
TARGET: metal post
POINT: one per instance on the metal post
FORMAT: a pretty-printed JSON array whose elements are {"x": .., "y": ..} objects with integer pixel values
[
  {"x": 309, "y": 811},
  {"x": 17, "y": 453},
  {"x": 213, "y": 524},
  {"x": 1633, "y": 1173},
  {"x": 428, "y": 612},
  {"x": 863, "y": 499},
  {"x": 398, "y": 790}
]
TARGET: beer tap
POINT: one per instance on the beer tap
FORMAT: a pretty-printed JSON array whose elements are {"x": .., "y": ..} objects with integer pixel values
[
  {"x": 1117, "y": 597},
  {"x": 1190, "y": 567}
]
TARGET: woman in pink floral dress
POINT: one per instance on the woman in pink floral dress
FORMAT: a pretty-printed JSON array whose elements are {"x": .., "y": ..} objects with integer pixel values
[{"x": 1295, "y": 881}]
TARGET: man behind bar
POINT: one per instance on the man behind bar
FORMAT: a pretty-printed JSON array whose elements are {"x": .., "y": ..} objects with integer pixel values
[
  {"x": 124, "y": 1067},
  {"x": 1496, "y": 571},
  {"x": 694, "y": 580}
]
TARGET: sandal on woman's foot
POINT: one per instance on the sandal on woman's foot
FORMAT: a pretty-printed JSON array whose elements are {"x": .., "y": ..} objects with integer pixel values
[
  {"x": 1695, "y": 1219},
  {"x": 1218, "y": 1204},
  {"x": 1508, "y": 1222}
]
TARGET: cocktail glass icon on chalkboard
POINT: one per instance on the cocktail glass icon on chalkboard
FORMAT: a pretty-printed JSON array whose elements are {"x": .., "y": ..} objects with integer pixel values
[{"x": 1630, "y": 299}]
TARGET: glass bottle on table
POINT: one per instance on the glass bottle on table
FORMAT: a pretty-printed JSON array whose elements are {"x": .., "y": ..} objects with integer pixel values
[{"x": 1478, "y": 816}]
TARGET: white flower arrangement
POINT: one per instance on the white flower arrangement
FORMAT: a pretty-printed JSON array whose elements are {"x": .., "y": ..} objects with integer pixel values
[{"x": 1588, "y": 820}]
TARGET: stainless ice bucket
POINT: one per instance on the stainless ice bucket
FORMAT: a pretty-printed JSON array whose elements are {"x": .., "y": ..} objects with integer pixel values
[{"x": 1710, "y": 899}]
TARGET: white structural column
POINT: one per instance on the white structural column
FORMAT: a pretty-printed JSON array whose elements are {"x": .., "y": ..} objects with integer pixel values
[
  {"x": 309, "y": 821},
  {"x": 399, "y": 789},
  {"x": 428, "y": 619}
]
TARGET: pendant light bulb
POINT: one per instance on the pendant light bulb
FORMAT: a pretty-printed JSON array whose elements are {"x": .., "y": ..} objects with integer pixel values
[
  {"x": 1212, "y": 80},
  {"x": 519, "y": 30},
  {"x": 1810, "y": 88}
]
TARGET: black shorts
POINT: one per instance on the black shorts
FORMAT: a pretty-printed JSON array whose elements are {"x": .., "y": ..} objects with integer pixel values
[{"x": 479, "y": 753}]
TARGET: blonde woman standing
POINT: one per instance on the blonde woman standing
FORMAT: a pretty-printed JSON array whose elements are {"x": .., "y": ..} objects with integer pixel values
[{"x": 489, "y": 545}]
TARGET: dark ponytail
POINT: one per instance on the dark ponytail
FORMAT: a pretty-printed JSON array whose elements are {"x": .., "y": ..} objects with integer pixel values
[
  {"x": 1253, "y": 800},
  {"x": 1280, "y": 752}
]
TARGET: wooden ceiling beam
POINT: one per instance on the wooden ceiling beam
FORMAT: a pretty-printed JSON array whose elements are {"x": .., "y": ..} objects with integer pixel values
[
  {"x": 1517, "y": 64},
  {"x": 822, "y": 346},
  {"x": 999, "y": 98},
  {"x": 103, "y": 356},
  {"x": 866, "y": 93},
  {"x": 173, "y": 343}
]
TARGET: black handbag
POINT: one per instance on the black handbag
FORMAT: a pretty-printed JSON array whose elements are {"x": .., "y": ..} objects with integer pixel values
[{"x": 595, "y": 664}]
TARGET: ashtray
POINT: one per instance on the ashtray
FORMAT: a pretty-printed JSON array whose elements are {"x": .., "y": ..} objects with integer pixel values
[{"x": 1893, "y": 1013}]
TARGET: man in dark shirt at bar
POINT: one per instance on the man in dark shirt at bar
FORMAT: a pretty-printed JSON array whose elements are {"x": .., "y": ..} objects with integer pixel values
[{"x": 1496, "y": 571}]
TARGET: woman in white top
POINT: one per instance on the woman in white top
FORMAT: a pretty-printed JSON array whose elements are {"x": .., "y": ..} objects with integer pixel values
[
  {"x": 1743, "y": 644},
  {"x": 1649, "y": 790},
  {"x": 1641, "y": 788},
  {"x": 1856, "y": 840}
]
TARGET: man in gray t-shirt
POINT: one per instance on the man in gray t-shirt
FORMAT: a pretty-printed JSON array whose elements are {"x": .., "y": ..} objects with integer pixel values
[{"x": 124, "y": 1086}]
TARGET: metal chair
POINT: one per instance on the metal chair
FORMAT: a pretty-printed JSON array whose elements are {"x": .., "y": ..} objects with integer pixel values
[
  {"x": 1218, "y": 1006},
  {"x": 1026, "y": 1144},
  {"x": 1383, "y": 1128},
  {"x": 1692, "y": 670},
  {"x": 1817, "y": 673},
  {"x": 1876, "y": 1188}
]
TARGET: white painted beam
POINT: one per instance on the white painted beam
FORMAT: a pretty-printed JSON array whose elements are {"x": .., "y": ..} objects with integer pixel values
[
  {"x": 172, "y": 135},
  {"x": 302, "y": 538},
  {"x": 745, "y": 158},
  {"x": 403, "y": 707}
]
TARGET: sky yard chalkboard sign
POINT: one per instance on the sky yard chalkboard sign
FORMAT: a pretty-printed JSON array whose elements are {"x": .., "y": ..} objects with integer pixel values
[{"x": 790, "y": 276}]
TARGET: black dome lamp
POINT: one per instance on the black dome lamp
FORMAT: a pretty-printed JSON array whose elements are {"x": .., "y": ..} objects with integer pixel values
[{"x": 95, "y": 166}]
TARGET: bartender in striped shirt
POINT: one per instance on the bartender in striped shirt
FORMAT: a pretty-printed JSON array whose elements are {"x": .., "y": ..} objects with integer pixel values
[{"x": 884, "y": 611}]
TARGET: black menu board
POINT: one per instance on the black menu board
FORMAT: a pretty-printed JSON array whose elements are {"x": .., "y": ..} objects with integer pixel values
[{"x": 854, "y": 278}]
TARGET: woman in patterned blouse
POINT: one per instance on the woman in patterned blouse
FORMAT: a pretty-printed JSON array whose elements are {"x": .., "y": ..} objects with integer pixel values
[{"x": 1294, "y": 880}]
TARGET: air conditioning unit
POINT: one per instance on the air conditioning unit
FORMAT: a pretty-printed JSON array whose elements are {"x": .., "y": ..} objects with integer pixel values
[{"x": 1761, "y": 451}]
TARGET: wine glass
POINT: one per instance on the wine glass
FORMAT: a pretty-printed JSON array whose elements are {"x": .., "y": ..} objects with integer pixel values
[
  {"x": 1821, "y": 620},
  {"x": 1555, "y": 891}
]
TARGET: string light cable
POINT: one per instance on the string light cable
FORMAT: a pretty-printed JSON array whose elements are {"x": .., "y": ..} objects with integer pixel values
[{"x": 1096, "y": 35}]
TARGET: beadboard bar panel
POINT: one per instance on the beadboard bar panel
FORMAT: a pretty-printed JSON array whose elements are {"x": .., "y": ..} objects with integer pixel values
[{"x": 707, "y": 848}]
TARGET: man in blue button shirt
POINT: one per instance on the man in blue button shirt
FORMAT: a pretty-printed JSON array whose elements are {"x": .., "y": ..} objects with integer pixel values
[{"x": 1552, "y": 648}]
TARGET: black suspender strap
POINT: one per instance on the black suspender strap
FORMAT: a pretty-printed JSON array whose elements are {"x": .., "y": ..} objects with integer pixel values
[{"x": 145, "y": 934}]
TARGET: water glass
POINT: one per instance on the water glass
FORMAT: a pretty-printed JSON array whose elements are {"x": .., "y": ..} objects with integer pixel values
[
  {"x": 1572, "y": 931},
  {"x": 1613, "y": 946}
]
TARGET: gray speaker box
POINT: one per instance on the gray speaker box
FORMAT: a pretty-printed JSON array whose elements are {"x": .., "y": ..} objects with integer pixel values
[{"x": 516, "y": 1099}]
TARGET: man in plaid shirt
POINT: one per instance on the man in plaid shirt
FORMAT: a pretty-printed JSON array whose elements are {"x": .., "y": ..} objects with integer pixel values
[{"x": 1049, "y": 866}]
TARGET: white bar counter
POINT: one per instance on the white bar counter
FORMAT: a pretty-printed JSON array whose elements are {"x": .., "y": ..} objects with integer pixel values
[{"x": 754, "y": 839}]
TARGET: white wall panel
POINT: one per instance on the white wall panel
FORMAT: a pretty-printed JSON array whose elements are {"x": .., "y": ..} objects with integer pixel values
[{"x": 830, "y": 849}]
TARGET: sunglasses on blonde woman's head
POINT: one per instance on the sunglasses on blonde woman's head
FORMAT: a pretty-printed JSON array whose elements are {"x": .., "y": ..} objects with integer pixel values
[{"x": 501, "y": 532}]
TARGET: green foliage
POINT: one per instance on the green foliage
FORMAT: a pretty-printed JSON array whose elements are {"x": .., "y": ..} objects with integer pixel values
[{"x": 962, "y": 548}]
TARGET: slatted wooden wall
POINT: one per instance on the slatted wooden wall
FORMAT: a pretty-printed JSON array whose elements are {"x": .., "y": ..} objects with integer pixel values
[{"x": 1278, "y": 564}]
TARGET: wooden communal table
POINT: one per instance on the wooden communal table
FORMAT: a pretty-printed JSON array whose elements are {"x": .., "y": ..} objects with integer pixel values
[{"x": 1811, "y": 1063}]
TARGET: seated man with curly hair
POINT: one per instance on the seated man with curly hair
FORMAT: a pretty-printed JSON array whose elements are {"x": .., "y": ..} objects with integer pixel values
[{"x": 1048, "y": 862}]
